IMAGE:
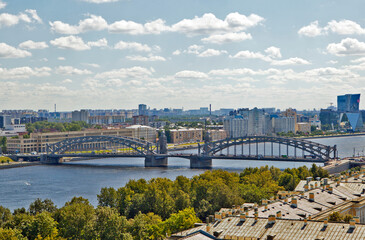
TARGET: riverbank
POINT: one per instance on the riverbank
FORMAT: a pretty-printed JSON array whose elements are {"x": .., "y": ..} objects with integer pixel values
[
  {"x": 333, "y": 136},
  {"x": 18, "y": 165}
]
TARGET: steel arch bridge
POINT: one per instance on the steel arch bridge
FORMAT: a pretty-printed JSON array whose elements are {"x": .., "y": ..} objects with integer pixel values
[
  {"x": 141, "y": 147},
  {"x": 318, "y": 150}
]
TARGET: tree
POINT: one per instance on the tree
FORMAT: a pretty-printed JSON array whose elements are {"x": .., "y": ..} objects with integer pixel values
[
  {"x": 146, "y": 226},
  {"x": 5, "y": 216},
  {"x": 43, "y": 226},
  {"x": 335, "y": 217},
  {"x": 109, "y": 224},
  {"x": 182, "y": 220},
  {"x": 11, "y": 234},
  {"x": 77, "y": 219},
  {"x": 39, "y": 206},
  {"x": 108, "y": 197}
]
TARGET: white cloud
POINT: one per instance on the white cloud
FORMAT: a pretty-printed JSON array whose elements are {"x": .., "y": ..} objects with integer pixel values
[
  {"x": 290, "y": 61},
  {"x": 347, "y": 46},
  {"x": 100, "y": 1},
  {"x": 150, "y": 58},
  {"x": 67, "y": 81},
  {"x": 227, "y": 38},
  {"x": 94, "y": 65},
  {"x": 61, "y": 58},
  {"x": 93, "y": 23},
  {"x": 100, "y": 43},
  {"x": 33, "y": 45},
  {"x": 69, "y": 70},
  {"x": 342, "y": 27},
  {"x": 212, "y": 52},
  {"x": 129, "y": 27},
  {"x": 133, "y": 72},
  {"x": 7, "y": 51},
  {"x": 132, "y": 46},
  {"x": 312, "y": 30},
  {"x": 273, "y": 52},
  {"x": 176, "y": 52},
  {"x": 34, "y": 15},
  {"x": 359, "y": 60},
  {"x": 24, "y": 72},
  {"x": 345, "y": 27},
  {"x": 2, "y": 5},
  {"x": 210, "y": 24},
  {"x": 194, "y": 49},
  {"x": 70, "y": 42},
  {"x": 7, "y": 20},
  {"x": 191, "y": 74},
  {"x": 251, "y": 55}
]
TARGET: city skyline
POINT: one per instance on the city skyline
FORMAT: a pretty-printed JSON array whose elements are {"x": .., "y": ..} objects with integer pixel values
[{"x": 105, "y": 54}]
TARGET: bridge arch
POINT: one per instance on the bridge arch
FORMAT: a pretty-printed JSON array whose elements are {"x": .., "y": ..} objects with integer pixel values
[
  {"x": 140, "y": 146},
  {"x": 318, "y": 150}
]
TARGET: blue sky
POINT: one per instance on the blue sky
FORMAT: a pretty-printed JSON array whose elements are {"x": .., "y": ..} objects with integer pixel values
[{"x": 168, "y": 53}]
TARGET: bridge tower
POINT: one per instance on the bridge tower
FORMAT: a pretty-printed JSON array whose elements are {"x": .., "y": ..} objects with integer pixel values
[
  {"x": 160, "y": 159},
  {"x": 202, "y": 160}
]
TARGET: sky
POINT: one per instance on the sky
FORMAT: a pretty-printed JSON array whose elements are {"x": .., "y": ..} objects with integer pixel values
[{"x": 104, "y": 54}]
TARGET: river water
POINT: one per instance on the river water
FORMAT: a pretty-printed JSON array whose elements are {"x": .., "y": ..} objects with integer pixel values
[{"x": 21, "y": 186}]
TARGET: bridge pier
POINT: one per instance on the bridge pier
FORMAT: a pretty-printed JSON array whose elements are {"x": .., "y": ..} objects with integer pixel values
[
  {"x": 155, "y": 161},
  {"x": 50, "y": 159},
  {"x": 197, "y": 161}
]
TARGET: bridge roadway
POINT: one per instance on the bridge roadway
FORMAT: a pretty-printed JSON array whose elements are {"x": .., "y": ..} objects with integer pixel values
[{"x": 161, "y": 160}]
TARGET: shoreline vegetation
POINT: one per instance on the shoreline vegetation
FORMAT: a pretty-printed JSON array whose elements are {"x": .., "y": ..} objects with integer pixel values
[{"x": 150, "y": 209}]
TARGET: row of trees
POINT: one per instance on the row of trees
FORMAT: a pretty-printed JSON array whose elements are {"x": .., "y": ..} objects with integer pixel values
[
  {"x": 45, "y": 126},
  {"x": 3, "y": 144},
  {"x": 149, "y": 209}
]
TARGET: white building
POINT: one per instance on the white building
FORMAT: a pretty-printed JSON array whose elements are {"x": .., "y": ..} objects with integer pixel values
[
  {"x": 283, "y": 124},
  {"x": 236, "y": 126},
  {"x": 258, "y": 122}
]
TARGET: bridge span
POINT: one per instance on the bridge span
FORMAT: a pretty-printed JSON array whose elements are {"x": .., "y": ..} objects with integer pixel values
[{"x": 156, "y": 155}]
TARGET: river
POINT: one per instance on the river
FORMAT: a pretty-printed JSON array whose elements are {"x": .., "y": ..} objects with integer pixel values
[{"x": 21, "y": 186}]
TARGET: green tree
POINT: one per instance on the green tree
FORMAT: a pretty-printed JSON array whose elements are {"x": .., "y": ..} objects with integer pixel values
[
  {"x": 335, "y": 217},
  {"x": 109, "y": 224},
  {"x": 43, "y": 226},
  {"x": 39, "y": 206},
  {"x": 11, "y": 234},
  {"x": 182, "y": 220},
  {"x": 108, "y": 197},
  {"x": 77, "y": 219},
  {"x": 146, "y": 226},
  {"x": 5, "y": 216}
]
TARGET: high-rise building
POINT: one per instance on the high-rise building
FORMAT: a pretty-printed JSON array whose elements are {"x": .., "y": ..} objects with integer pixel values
[
  {"x": 283, "y": 124},
  {"x": 142, "y": 109},
  {"x": 291, "y": 113},
  {"x": 258, "y": 122},
  {"x": 5, "y": 121},
  {"x": 236, "y": 126},
  {"x": 348, "y": 103},
  {"x": 82, "y": 115}
]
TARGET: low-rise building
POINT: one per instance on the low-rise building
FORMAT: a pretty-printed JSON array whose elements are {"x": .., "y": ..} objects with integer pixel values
[
  {"x": 304, "y": 127},
  {"x": 37, "y": 142},
  {"x": 217, "y": 134},
  {"x": 185, "y": 135}
]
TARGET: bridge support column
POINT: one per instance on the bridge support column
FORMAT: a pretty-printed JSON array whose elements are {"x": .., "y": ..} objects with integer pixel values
[
  {"x": 200, "y": 162},
  {"x": 50, "y": 159},
  {"x": 155, "y": 161}
]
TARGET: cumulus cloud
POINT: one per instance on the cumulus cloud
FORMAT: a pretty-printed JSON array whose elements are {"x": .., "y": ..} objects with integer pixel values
[
  {"x": 206, "y": 24},
  {"x": 94, "y": 65},
  {"x": 69, "y": 70},
  {"x": 347, "y": 46},
  {"x": 273, "y": 52},
  {"x": 7, "y": 51},
  {"x": 24, "y": 72},
  {"x": 92, "y": 23},
  {"x": 176, "y": 52},
  {"x": 290, "y": 61},
  {"x": 227, "y": 38},
  {"x": 191, "y": 75},
  {"x": 70, "y": 42},
  {"x": 33, "y": 45},
  {"x": 342, "y": 27},
  {"x": 132, "y": 46},
  {"x": 61, "y": 58},
  {"x": 67, "y": 81},
  {"x": 250, "y": 55},
  {"x": 30, "y": 16},
  {"x": 2, "y": 5},
  {"x": 211, "y": 52},
  {"x": 133, "y": 72},
  {"x": 312, "y": 30},
  {"x": 150, "y": 58},
  {"x": 100, "y": 43},
  {"x": 210, "y": 24}
]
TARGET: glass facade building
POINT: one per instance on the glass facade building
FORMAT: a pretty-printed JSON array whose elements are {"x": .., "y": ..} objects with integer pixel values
[{"x": 348, "y": 103}]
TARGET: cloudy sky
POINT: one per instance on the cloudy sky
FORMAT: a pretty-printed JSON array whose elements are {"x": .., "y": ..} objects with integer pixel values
[{"x": 169, "y": 53}]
